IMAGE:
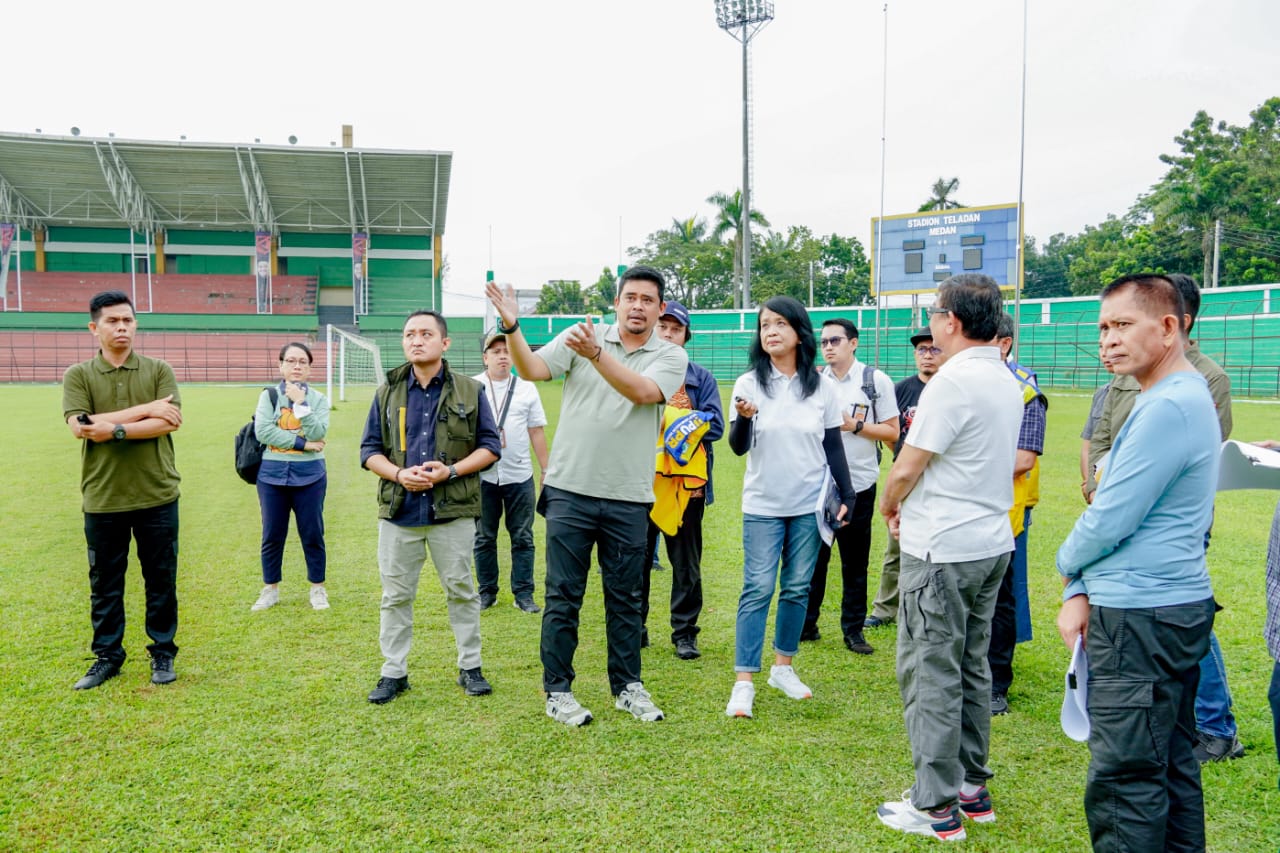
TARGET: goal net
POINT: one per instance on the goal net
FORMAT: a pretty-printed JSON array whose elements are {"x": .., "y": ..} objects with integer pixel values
[{"x": 352, "y": 360}]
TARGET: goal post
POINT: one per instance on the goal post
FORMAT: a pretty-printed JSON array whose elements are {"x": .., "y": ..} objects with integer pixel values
[{"x": 352, "y": 360}]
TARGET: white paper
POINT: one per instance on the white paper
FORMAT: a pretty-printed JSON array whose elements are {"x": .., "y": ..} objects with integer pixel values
[
  {"x": 1247, "y": 466},
  {"x": 1075, "y": 699}
]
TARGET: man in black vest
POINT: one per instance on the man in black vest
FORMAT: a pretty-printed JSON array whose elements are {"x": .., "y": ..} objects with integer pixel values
[{"x": 429, "y": 434}]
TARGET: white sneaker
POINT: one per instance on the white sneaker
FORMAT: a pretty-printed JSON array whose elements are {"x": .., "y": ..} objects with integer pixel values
[
  {"x": 319, "y": 598},
  {"x": 943, "y": 824},
  {"x": 563, "y": 708},
  {"x": 269, "y": 597},
  {"x": 741, "y": 699},
  {"x": 785, "y": 679},
  {"x": 635, "y": 699}
]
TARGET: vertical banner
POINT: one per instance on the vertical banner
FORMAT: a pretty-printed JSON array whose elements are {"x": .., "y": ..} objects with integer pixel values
[
  {"x": 359, "y": 272},
  {"x": 262, "y": 268},
  {"x": 7, "y": 233}
]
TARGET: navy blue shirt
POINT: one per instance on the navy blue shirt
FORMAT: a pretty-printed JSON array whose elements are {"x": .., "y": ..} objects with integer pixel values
[{"x": 421, "y": 408}]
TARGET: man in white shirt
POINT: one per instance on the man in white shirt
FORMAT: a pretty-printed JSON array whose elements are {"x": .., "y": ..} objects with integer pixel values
[
  {"x": 870, "y": 412},
  {"x": 947, "y": 500},
  {"x": 507, "y": 487}
]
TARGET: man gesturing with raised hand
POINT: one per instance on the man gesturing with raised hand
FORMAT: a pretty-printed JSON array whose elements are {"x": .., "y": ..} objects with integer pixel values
[{"x": 599, "y": 485}]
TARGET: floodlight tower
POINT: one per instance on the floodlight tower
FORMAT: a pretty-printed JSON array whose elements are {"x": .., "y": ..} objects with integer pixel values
[{"x": 742, "y": 19}]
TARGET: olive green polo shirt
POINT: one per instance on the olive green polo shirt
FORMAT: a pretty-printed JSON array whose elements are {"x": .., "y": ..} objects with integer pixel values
[
  {"x": 604, "y": 444},
  {"x": 118, "y": 476}
]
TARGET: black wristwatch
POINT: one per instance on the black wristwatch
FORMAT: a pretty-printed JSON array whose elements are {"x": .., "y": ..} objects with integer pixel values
[
  {"x": 118, "y": 433},
  {"x": 453, "y": 473},
  {"x": 857, "y": 428},
  {"x": 508, "y": 331}
]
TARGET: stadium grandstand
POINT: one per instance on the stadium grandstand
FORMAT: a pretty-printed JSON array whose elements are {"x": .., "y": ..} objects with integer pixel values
[{"x": 228, "y": 250}]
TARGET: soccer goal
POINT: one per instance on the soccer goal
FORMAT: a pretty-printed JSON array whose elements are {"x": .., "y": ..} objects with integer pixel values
[{"x": 352, "y": 360}]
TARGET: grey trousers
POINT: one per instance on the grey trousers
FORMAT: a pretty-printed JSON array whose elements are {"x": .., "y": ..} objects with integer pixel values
[
  {"x": 944, "y": 626},
  {"x": 401, "y": 554}
]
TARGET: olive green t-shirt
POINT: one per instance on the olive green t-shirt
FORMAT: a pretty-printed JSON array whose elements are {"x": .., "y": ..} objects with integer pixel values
[
  {"x": 604, "y": 444},
  {"x": 118, "y": 476}
]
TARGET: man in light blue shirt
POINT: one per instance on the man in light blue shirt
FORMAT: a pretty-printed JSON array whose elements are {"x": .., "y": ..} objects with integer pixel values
[{"x": 1137, "y": 588}]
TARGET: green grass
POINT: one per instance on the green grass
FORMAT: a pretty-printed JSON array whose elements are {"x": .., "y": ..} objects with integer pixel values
[{"x": 266, "y": 740}]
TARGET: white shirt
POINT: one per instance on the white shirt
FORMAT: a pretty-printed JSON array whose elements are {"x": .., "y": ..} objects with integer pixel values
[
  {"x": 860, "y": 451},
  {"x": 524, "y": 414},
  {"x": 786, "y": 465},
  {"x": 968, "y": 417}
]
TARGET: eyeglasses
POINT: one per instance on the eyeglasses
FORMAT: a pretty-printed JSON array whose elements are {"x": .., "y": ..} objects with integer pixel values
[
  {"x": 830, "y": 342},
  {"x": 928, "y": 351},
  {"x": 295, "y": 361},
  {"x": 933, "y": 311}
]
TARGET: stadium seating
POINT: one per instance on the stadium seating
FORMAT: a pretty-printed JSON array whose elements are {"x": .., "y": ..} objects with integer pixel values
[{"x": 170, "y": 293}]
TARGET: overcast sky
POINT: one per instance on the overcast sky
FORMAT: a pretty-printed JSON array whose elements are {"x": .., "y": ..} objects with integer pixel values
[{"x": 580, "y": 126}]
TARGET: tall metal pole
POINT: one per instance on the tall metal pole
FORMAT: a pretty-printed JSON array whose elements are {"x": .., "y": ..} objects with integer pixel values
[
  {"x": 1217, "y": 248},
  {"x": 884, "y": 122},
  {"x": 745, "y": 230},
  {"x": 1022, "y": 159}
]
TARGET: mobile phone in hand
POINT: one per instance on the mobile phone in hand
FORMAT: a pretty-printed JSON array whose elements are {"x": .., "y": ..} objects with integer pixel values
[{"x": 84, "y": 419}]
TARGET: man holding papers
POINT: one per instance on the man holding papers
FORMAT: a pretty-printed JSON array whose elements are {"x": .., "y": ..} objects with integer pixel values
[{"x": 1136, "y": 583}]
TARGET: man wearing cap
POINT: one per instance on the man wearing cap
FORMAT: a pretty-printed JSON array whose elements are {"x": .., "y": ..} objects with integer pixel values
[
  {"x": 507, "y": 487},
  {"x": 870, "y": 412},
  {"x": 599, "y": 484},
  {"x": 699, "y": 394},
  {"x": 907, "y": 394}
]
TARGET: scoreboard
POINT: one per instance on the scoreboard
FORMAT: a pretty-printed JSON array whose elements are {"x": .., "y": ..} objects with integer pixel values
[{"x": 922, "y": 249}]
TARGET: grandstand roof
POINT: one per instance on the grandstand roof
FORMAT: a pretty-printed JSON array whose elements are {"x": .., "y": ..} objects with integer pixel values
[{"x": 117, "y": 183}]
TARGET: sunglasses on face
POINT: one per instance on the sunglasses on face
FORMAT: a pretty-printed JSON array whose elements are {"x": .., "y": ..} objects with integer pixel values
[
  {"x": 924, "y": 350},
  {"x": 830, "y": 342}
]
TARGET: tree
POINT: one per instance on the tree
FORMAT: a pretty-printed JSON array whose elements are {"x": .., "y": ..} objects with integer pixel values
[
  {"x": 729, "y": 222},
  {"x": 601, "y": 295},
  {"x": 697, "y": 270},
  {"x": 561, "y": 296},
  {"x": 941, "y": 198}
]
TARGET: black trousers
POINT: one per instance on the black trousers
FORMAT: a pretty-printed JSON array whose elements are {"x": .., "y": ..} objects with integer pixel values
[
  {"x": 576, "y": 523},
  {"x": 854, "y": 540},
  {"x": 684, "y": 552},
  {"x": 1004, "y": 635},
  {"x": 1143, "y": 790},
  {"x": 107, "y": 534}
]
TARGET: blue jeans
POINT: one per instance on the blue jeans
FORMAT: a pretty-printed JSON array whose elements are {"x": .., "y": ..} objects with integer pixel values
[
  {"x": 1273, "y": 696},
  {"x": 765, "y": 541},
  {"x": 307, "y": 505},
  {"x": 1213, "y": 699},
  {"x": 516, "y": 499}
]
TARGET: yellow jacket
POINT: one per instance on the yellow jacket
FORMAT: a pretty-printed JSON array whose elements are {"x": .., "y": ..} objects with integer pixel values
[{"x": 673, "y": 483}]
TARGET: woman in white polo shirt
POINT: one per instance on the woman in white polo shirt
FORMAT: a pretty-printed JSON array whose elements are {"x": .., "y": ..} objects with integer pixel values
[{"x": 787, "y": 421}]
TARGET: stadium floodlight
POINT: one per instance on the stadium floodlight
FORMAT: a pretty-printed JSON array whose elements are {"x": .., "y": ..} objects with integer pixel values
[{"x": 742, "y": 19}]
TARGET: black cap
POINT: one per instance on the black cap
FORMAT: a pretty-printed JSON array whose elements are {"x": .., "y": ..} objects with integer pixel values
[{"x": 925, "y": 334}]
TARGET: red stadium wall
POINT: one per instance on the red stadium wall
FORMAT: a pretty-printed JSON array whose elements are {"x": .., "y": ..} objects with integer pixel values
[{"x": 170, "y": 294}]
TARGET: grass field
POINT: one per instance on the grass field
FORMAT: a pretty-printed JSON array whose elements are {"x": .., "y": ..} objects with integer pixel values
[{"x": 266, "y": 741}]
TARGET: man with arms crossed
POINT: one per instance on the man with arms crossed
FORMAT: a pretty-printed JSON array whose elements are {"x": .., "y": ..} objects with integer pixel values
[
  {"x": 866, "y": 421},
  {"x": 428, "y": 435},
  {"x": 599, "y": 486},
  {"x": 124, "y": 407},
  {"x": 1137, "y": 588},
  {"x": 508, "y": 486},
  {"x": 947, "y": 498},
  {"x": 884, "y": 610}
]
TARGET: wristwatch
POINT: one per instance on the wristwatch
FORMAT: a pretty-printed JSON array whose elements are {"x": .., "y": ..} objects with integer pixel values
[
  {"x": 453, "y": 473},
  {"x": 118, "y": 432},
  {"x": 857, "y": 428}
]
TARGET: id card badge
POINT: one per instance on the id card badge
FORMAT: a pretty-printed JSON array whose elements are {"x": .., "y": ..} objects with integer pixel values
[{"x": 502, "y": 438}]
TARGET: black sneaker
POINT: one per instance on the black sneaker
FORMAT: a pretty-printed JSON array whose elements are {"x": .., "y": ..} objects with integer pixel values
[
  {"x": 876, "y": 622},
  {"x": 525, "y": 603},
  {"x": 473, "y": 683},
  {"x": 999, "y": 704},
  {"x": 99, "y": 671},
  {"x": 388, "y": 689},
  {"x": 687, "y": 648},
  {"x": 857, "y": 644},
  {"x": 162, "y": 669},
  {"x": 810, "y": 633},
  {"x": 1211, "y": 748},
  {"x": 487, "y": 600}
]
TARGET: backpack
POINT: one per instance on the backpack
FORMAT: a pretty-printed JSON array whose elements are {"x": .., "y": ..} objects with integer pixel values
[
  {"x": 869, "y": 388},
  {"x": 249, "y": 449}
]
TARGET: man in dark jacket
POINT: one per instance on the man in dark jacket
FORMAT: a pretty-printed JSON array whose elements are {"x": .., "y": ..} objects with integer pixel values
[{"x": 429, "y": 434}]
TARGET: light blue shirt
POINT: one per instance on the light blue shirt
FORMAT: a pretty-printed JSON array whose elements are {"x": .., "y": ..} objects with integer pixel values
[{"x": 1141, "y": 542}]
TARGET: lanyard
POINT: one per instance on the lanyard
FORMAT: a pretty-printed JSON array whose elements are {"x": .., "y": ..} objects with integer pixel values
[{"x": 506, "y": 402}]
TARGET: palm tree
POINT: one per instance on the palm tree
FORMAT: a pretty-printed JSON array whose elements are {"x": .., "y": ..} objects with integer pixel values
[
  {"x": 729, "y": 221},
  {"x": 941, "y": 198},
  {"x": 691, "y": 230}
]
